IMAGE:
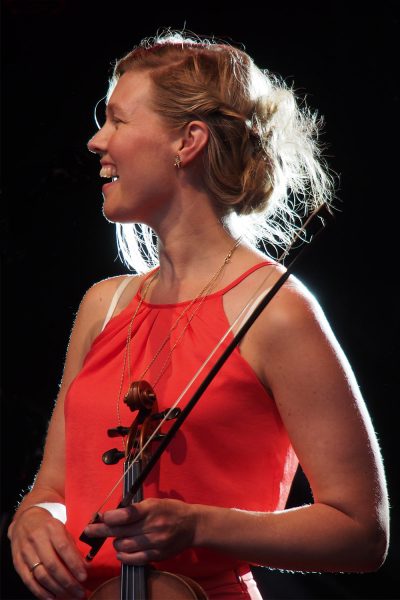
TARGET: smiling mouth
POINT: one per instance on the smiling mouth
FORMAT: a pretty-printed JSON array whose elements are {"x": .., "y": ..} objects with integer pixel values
[{"x": 109, "y": 172}]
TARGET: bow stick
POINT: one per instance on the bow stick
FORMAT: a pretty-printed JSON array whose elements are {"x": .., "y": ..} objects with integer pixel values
[{"x": 323, "y": 212}]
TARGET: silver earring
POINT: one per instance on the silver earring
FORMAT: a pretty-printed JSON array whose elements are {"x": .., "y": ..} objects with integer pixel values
[{"x": 177, "y": 161}]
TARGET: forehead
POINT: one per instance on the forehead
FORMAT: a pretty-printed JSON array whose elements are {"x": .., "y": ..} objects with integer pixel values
[{"x": 132, "y": 89}]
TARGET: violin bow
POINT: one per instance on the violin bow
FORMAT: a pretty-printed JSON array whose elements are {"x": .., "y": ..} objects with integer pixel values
[{"x": 325, "y": 217}]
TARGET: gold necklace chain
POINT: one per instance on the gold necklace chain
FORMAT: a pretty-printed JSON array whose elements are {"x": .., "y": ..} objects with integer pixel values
[
  {"x": 127, "y": 348},
  {"x": 201, "y": 296}
]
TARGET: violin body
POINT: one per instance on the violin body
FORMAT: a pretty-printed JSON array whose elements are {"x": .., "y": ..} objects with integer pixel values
[{"x": 160, "y": 585}]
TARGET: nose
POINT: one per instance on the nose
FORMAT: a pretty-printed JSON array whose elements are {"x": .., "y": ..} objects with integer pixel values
[{"x": 97, "y": 144}]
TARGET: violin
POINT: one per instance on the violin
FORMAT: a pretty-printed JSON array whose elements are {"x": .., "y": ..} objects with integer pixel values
[{"x": 142, "y": 583}]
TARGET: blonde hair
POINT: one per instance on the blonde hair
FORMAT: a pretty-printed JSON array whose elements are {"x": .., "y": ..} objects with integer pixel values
[{"x": 263, "y": 163}]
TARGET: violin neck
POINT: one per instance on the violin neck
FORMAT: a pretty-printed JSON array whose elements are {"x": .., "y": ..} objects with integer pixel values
[{"x": 133, "y": 579}]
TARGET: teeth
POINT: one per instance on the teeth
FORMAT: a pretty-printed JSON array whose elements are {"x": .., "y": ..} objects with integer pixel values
[{"x": 108, "y": 171}]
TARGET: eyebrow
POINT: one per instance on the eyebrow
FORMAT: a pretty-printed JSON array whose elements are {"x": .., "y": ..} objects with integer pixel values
[{"x": 113, "y": 108}]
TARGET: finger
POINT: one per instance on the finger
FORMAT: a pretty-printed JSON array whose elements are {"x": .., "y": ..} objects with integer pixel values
[
  {"x": 50, "y": 587},
  {"x": 35, "y": 575},
  {"x": 125, "y": 516},
  {"x": 66, "y": 553},
  {"x": 53, "y": 573},
  {"x": 109, "y": 524},
  {"x": 40, "y": 581},
  {"x": 33, "y": 545},
  {"x": 58, "y": 583},
  {"x": 29, "y": 580},
  {"x": 69, "y": 555},
  {"x": 133, "y": 544},
  {"x": 42, "y": 578},
  {"x": 113, "y": 522},
  {"x": 139, "y": 558},
  {"x": 101, "y": 530},
  {"x": 23, "y": 565}
]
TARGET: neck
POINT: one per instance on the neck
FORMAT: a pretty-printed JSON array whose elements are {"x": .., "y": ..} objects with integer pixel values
[
  {"x": 193, "y": 254},
  {"x": 192, "y": 242}
]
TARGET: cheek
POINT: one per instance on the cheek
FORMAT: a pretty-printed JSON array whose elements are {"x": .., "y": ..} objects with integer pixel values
[
  {"x": 147, "y": 165},
  {"x": 146, "y": 168},
  {"x": 141, "y": 159},
  {"x": 146, "y": 182}
]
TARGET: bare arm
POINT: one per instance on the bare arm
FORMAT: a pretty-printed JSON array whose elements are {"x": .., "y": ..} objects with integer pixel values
[
  {"x": 49, "y": 482},
  {"x": 346, "y": 528},
  {"x": 35, "y": 535}
]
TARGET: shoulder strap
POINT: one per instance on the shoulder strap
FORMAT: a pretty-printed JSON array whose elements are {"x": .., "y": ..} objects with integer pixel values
[
  {"x": 114, "y": 301},
  {"x": 243, "y": 276}
]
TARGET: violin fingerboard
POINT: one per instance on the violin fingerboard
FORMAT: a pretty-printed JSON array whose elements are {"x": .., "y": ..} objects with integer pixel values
[{"x": 133, "y": 578}]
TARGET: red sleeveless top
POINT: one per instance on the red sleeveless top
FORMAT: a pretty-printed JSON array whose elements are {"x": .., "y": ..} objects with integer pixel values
[{"x": 232, "y": 451}]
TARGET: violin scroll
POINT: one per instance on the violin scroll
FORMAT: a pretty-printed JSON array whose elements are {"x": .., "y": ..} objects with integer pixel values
[{"x": 140, "y": 396}]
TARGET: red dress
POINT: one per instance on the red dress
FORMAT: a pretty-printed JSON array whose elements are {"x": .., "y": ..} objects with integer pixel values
[{"x": 232, "y": 451}]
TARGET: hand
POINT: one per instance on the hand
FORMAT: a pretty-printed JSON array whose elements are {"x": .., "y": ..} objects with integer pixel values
[
  {"x": 37, "y": 537},
  {"x": 151, "y": 530}
]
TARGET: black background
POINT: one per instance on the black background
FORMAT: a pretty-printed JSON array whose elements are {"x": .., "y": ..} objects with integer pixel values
[{"x": 56, "y": 61}]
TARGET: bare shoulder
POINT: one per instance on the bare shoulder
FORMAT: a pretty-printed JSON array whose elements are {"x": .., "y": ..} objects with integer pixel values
[
  {"x": 294, "y": 306},
  {"x": 295, "y": 331},
  {"x": 102, "y": 291},
  {"x": 98, "y": 297},
  {"x": 96, "y": 301}
]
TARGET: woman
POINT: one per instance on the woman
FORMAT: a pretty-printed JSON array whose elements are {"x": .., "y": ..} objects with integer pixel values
[{"x": 211, "y": 155}]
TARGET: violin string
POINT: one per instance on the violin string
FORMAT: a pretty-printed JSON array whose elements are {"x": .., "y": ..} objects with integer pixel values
[{"x": 254, "y": 300}]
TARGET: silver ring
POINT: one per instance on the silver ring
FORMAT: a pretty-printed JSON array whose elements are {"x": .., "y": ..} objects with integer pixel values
[{"x": 33, "y": 567}]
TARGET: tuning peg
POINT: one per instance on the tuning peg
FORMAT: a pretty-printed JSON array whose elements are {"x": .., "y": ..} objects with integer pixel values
[
  {"x": 111, "y": 457},
  {"x": 118, "y": 431},
  {"x": 174, "y": 414}
]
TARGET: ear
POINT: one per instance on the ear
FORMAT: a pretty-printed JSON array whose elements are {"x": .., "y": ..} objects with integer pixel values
[{"x": 193, "y": 141}]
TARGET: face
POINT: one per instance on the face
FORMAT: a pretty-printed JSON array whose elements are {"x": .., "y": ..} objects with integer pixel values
[{"x": 136, "y": 145}]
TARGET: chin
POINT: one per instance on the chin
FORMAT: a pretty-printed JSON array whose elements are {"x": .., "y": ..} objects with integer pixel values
[
  {"x": 115, "y": 217},
  {"x": 123, "y": 217},
  {"x": 132, "y": 210}
]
